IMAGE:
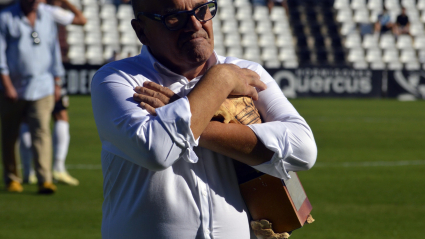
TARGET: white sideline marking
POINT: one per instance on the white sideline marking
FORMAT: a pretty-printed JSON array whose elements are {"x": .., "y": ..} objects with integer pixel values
[
  {"x": 320, "y": 165},
  {"x": 371, "y": 164}
]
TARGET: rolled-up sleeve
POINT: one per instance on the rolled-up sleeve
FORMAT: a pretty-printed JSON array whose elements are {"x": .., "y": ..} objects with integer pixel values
[
  {"x": 4, "y": 70},
  {"x": 126, "y": 130},
  {"x": 284, "y": 132}
]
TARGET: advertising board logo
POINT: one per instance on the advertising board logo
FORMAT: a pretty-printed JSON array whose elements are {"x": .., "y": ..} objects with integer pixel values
[
  {"x": 324, "y": 82},
  {"x": 411, "y": 83},
  {"x": 287, "y": 81}
]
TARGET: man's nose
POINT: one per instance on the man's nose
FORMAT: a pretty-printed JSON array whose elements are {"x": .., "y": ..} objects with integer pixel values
[{"x": 193, "y": 24}]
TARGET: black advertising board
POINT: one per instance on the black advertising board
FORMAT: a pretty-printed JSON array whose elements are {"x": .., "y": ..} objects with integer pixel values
[
  {"x": 406, "y": 83},
  {"x": 304, "y": 82},
  {"x": 328, "y": 82},
  {"x": 78, "y": 78}
]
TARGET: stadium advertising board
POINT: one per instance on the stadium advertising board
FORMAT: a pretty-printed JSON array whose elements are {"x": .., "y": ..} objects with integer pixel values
[
  {"x": 78, "y": 77},
  {"x": 304, "y": 82},
  {"x": 406, "y": 83},
  {"x": 328, "y": 82}
]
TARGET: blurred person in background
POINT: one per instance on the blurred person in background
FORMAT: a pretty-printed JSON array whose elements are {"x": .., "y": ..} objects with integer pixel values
[
  {"x": 115, "y": 56},
  {"x": 31, "y": 70},
  {"x": 402, "y": 24},
  {"x": 383, "y": 23},
  {"x": 258, "y": 2},
  {"x": 168, "y": 169},
  {"x": 61, "y": 136},
  {"x": 117, "y": 3},
  {"x": 283, "y": 3}
]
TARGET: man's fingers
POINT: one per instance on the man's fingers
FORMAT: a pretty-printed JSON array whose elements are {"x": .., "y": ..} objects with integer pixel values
[
  {"x": 254, "y": 79},
  {"x": 151, "y": 110},
  {"x": 252, "y": 93},
  {"x": 155, "y": 94},
  {"x": 259, "y": 85},
  {"x": 152, "y": 101},
  {"x": 161, "y": 89}
]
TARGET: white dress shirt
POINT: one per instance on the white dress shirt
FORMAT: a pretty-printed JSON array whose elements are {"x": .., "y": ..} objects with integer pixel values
[{"x": 157, "y": 183}]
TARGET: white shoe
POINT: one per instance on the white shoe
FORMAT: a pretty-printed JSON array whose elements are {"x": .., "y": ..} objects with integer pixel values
[{"x": 65, "y": 178}]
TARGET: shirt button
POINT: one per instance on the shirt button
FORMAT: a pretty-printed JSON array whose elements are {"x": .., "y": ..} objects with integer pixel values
[
  {"x": 204, "y": 192},
  {"x": 207, "y": 231}
]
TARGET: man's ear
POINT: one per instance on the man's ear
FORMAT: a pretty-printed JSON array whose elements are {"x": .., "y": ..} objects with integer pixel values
[{"x": 139, "y": 29}]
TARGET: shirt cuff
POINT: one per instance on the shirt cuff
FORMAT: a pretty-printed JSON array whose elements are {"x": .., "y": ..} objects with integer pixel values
[
  {"x": 175, "y": 118},
  {"x": 275, "y": 136},
  {"x": 58, "y": 72},
  {"x": 4, "y": 71}
]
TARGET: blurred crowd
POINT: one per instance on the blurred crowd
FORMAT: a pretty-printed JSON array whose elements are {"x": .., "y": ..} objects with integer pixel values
[
  {"x": 271, "y": 3},
  {"x": 385, "y": 25}
]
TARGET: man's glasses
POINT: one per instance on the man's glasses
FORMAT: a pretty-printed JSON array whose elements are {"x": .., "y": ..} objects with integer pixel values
[
  {"x": 177, "y": 20},
  {"x": 35, "y": 38}
]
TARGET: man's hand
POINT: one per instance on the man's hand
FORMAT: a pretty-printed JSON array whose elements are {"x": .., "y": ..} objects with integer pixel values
[
  {"x": 244, "y": 81},
  {"x": 10, "y": 93},
  {"x": 9, "y": 90},
  {"x": 58, "y": 88},
  {"x": 58, "y": 92},
  {"x": 216, "y": 85},
  {"x": 152, "y": 96}
]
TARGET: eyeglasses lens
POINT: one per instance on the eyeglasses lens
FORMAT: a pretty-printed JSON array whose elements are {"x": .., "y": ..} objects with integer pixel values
[
  {"x": 203, "y": 14},
  {"x": 35, "y": 38}
]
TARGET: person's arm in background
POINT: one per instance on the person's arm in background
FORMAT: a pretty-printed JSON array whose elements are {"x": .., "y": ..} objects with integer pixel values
[
  {"x": 8, "y": 88},
  {"x": 407, "y": 27},
  {"x": 57, "y": 69},
  {"x": 79, "y": 18},
  {"x": 396, "y": 27}
]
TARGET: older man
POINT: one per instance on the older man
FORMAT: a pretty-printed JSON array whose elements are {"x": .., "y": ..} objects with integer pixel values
[
  {"x": 167, "y": 167},
  {"x": 30, "y": 63}
]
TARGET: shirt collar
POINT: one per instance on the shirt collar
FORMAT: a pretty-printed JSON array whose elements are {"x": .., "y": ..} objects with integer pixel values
[{"x": 171, "y": 77}]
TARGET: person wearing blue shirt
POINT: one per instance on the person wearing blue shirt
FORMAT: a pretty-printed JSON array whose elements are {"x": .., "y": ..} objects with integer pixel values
[
  {"x": 60, "y": 134},
  {"x": 30, "y": 72},
  {"x": 383, "y": 23}
]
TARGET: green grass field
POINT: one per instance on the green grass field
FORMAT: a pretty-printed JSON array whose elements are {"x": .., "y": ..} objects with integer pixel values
[{"x": 368, "y": 181}]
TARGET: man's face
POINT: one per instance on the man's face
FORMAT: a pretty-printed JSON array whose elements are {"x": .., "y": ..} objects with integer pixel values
[
  {"x": 190, "y": 46},
  {"x": 29, "y": 5}
]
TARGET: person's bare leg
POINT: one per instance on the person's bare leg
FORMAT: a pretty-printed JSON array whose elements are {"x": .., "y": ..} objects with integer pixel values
[
  {"x": 377, "y": 27},
  {"x": 270, "y": 5},
  {"x": 285, "y": 5}
]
